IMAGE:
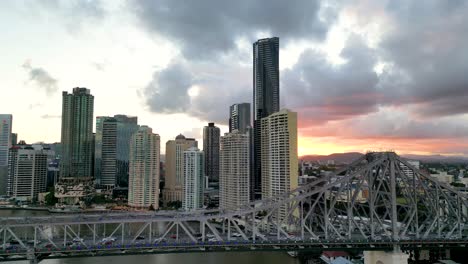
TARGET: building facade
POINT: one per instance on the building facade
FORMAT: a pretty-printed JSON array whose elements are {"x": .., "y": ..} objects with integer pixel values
[
  {"x": 14, "y": 139},
  {"x": 143, "y": 188},
  {"x": 193, "y": 179},
  {"x": 6, "y": 122},
  {"x": 234, "y": 178},
  {"x": 266, "y": 96},
  {"x": 113, "y": 136},
  {"x": 174, "y": 168},
  {"x": 27, "y": 172},
  {"x": 211, "y": 135},
  {"x": 77, "y": 134},
  {"x": 279, "y": 154},
  {"x": 239, "y": 117}
]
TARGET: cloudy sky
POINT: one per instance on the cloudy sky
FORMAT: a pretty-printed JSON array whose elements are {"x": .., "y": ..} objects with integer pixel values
[{"x": 362, "y": 74}]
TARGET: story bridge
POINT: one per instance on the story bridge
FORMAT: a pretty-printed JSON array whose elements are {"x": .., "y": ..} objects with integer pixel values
[{"x": 378, "y": 202}]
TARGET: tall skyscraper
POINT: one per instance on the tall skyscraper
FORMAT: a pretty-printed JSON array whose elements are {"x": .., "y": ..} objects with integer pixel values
[
  {"x": 174, "y": 180},
  {"x": 77, "y": 133},
  {"x": 279, "y": 154},
  {"x": 27, "y": 172},
  {"x": 193, "y": 179},
  {"x": 6, "y": 122},
  {"x": 211, "y": 135},
  {"x": 234, "y": 178},
  {"x": 266, "y": 95},
  {"x": 109, "y": 153},
  {"x": 239, "y": 117},
  {"x": 112, "y": 149},
  {"x": 143, "y": 187}
]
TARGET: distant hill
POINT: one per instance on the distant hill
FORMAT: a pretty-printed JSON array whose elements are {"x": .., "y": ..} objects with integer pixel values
[
  {"x": 337, "y": 157},
  {"x": 437, "y": 158},
  {"x": 351, "y": 156}
]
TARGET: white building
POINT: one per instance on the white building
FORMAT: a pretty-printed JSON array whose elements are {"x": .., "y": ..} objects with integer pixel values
[
  {"x": 407, "y": 171},
  {"x": 194, "y": 174},
  {"x": 27, "y": 172},
  {"x": 443, "y": 177},
  {"x": 279, "y": 154},
  {"x": 234, "y": 181},
  {"x": 143, "y": 184}
]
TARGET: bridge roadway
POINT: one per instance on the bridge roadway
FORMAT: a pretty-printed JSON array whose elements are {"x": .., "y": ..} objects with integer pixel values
[{"x": 183, "y": 245}]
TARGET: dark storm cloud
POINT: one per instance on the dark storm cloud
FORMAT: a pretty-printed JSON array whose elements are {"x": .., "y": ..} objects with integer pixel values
[
  {"x": 391, "y": 123},
  {"x": 218, "y": 85},
  {"x": 41, "y": 78},
  {"x": 329, "y": 92},
  {"x": 210, "y": 27},
  {"x": 427, "y": 50},
  {"x": 168, "y": 90},
  {"x": 422, "y": 48}
]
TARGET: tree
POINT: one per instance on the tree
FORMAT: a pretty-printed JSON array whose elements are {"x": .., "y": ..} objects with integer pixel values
[
  {"x": 151, "y": 208},
  {"x": 50, "y": 198}
]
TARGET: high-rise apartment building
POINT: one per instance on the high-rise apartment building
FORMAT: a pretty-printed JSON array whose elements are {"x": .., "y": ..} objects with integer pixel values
[
  {"x": 266, "y": 95},
  {"x": 211, "y": 135},
  {"x": 6, "y": 122},
  {"x": 239, "y": 117},
  {"x": 112, "y": 149},
  {"x": 174, "y": 178},
  {"x": 193, "y": 179},
  {"x": 279, "y": 154},
  {"x": 27, "y": 172},
  {"x": 234, "y": 178},
  {"x": 143, "y": 187},
  {"x": 77, "y": 133}
]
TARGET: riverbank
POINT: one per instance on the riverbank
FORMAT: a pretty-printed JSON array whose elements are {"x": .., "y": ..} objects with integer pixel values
[{"x": 55, "y": 210}]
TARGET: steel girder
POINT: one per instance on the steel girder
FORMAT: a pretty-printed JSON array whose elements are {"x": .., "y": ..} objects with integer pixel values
[{"x": 378, "y": 197}]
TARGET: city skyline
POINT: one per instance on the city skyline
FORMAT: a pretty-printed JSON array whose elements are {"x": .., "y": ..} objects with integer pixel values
[{"x": 355, "y": 80}]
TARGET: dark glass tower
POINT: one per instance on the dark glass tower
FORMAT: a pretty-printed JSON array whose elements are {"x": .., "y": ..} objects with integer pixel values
[
  {"x": 239, "y": 117},
  {"x": 211, "y": 134},
  {"x": 112, "y": 149},
  {"x": 265, "y": 97}
]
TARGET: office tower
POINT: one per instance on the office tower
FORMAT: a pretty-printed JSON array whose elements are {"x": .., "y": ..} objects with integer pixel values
[
  {"x": 126, "y": 127},
  {"x": 234, "y": 177},
  {"x": 109, "y": 153},
  {"x": 112, "y": 141},
  {"x": 14, "y": 139},
  {"x": 143, "y": 186},
  {"x": 266, "y": 95},
  {"x": 27, "y": 172},
  {"x": 239, "y": 117},
  {"x": 279, "y": 154},
  {"x": 6, "y": 122},
  {"x": 211, "y": 135},
  {"x": 193, "y": 179},
  {"x": 77, "y": 134},
  {"x": 174, "y": 180}
]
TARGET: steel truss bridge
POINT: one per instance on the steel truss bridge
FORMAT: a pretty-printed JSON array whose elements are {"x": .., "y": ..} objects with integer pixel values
[{"x": 378, "y": 202}]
